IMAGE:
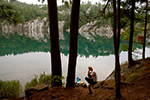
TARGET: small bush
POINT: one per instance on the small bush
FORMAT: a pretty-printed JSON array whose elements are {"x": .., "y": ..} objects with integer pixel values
[
  {"x": 42, "y": 80},
  {"x": 45, "y": 79},
  {"x": 33, "y": 83},
  {"x": 10, "y": 89}
]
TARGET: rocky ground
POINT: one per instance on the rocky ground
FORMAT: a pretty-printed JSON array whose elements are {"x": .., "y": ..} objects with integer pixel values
[{"x": 137, "y": 88}]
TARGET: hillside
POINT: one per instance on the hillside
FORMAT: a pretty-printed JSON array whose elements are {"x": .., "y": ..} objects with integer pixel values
[
  {"x": 29, "y": 12},
  {"x": 136, "y": 89}
]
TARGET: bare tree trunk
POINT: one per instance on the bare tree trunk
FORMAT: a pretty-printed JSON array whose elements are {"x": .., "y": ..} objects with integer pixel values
[
  {"x": 54, "y": 40},
  {"x": 130, "y": 59},
  {"x": 145, "y": 30},
  {"x": 73, "y": 43},
  {"x": 116, "y": 38},
  {"x": 117, "y": 71}
]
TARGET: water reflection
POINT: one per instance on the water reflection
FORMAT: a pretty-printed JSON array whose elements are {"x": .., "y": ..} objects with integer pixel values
[{"x": 19, "y": 44}]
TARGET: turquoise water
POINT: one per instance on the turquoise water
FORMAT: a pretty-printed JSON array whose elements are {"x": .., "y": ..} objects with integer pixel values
[{"x": 22, "y": 57}]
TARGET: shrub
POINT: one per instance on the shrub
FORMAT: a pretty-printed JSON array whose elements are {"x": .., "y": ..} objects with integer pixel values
[
  {"x": 45, "y": 79},
  {"x": 10, "y": 89},
  {"x": 33, "y": 83},
  {"x": 42, "y": 80}
]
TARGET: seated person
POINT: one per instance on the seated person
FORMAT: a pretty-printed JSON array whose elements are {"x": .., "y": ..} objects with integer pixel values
[{"x": 92, "y": 77}]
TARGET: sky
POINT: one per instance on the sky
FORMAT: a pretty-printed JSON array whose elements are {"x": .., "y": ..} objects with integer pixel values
[{"x": 59, "y": 2}]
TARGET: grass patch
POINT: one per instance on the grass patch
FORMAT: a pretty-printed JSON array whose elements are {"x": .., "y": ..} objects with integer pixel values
[{"x": 10, "y": 89}]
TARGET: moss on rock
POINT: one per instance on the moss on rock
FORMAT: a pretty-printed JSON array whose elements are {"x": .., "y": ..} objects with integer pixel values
[{"x": 132, "y": 77}]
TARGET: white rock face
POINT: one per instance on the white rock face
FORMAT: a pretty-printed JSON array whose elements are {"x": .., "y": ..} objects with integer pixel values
[
  {"x": 64, "y": 12},
  {"x": 88, "y": 31},
  {"x": 88, "y": 10},
  {"x": 36, "y": 29}
]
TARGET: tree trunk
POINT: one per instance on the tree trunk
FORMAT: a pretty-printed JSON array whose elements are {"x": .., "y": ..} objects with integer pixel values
[
  {"x": 145, "y": 30},
  {"x": 130, "y": 60},
  {"x": 116, "y": 38},
  {"x": 73, "y": 43},
  {"x": 54, "y": 41}
]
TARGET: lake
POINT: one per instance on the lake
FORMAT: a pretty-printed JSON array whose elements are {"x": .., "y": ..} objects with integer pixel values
[{"x": 22, "y": 57}]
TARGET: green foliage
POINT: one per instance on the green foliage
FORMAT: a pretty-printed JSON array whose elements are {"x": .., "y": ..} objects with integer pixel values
[
  {"x": 125, "y": 34},
  {"x": 22, "y": 19},
  {"x": 138, "y": 31},
  {"x": 89, "y": 12},
  {"x": 26, "y": 12},
  {"x": 10, "y": 89},
  {"x": 139, "y": 20},
  {"x": 57, "y": 78},
  {"x": 33, "y": 83},
  {"x": 62, "y": 7},
  {"x": 66, "y": 4},
  {"x": 7, "y": 12},
  {"x": 42, "y": 80},
  {"x": 45, "y": 79},
  {"x": 124, "y": 47}
]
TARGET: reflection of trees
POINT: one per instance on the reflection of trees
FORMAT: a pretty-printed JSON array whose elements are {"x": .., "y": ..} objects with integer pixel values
[
  {"x": 101, "y": 46},
  {"x": 16, "y": 44}
]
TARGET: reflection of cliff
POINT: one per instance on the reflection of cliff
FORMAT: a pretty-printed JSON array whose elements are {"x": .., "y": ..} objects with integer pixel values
[
  {"x": 18, "y": 44},
  {"x": 36, "y": 29}
]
